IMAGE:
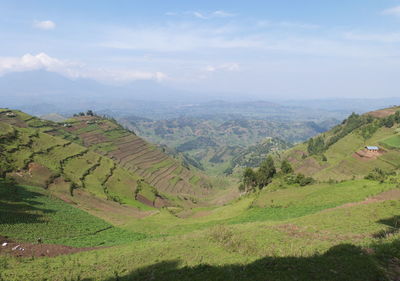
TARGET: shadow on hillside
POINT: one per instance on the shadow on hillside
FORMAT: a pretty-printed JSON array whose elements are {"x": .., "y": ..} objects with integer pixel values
[
  {"x": 20, "y": 205},
  {"x": 342, "y": 262},
  {"x": 393, "y": 227}
]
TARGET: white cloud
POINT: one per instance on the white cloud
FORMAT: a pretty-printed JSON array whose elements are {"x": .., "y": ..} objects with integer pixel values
[
  {"x": 222, "y": 14},
  {"x": 45, "y": 25},
  {"x": 199, "y": 15},
  {"x": 186, "y": 38},
  {"x": 232, "y": 66},
  {"x": 394, "y": 11},
  {"x": 71, "y": 69},
  {"x": 287, "y": 24},
  {"x": 375, "y": 37},
  {"x": 203, "y": 15},
  {"x": 176, "y": 38}
]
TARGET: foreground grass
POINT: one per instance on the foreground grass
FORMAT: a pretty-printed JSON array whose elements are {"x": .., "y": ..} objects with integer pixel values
[
  {"x": 251, "y": 239},
  {"x": 26, "y": 214},
  {"x": 251, "y": 251}
]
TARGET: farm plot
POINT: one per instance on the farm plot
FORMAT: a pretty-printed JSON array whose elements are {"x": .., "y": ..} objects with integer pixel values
[
  {"x": 123, "y": 183},
  {"x": 392, "y": 142},
  {"x": 27, "y": 213},
  {"x": 54, "y": 158},
  {"x": 77, "y": 168},
  {"x": 94, "y": 182},
  {"x": 46, "y": 141}
]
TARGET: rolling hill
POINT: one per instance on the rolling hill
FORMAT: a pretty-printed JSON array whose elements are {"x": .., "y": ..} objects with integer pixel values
[
  {"x": 328, "y": 230},
  {"x": 341, "y": 153},
  {"x": 220, "y": 143}
]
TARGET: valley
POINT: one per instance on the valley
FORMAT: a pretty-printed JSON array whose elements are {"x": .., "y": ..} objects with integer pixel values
[{"x": 99, "y": 196}]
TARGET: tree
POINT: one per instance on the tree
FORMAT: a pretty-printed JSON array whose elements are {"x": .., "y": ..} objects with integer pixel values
[
  {"x": 286, "y": 168},
  {"x": 266, "y": 172},
  {"x": 249, "y": 180},
  {"x": 89, "y": 113},
  {"x": 316, "y": 146}
]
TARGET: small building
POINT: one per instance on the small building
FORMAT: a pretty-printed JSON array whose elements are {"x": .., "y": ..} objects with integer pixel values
[
  {"x": 11, "y": 114},
  {"x": 372, "y": 148}
]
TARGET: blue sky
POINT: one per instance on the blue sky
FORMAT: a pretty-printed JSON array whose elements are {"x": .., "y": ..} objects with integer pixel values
[{"x": 261, "y": 49}]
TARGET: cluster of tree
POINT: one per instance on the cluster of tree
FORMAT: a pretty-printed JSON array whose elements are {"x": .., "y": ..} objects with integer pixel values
[
  {"x": 390, "y": 120},
  {"x": 378, "y": 174},
  {"x": 316, "y": 146},
  {"x": 88, "y": 113},
  {"x": 252, "y": 180}
]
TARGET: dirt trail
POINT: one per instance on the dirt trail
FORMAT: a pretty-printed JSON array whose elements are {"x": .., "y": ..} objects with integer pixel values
[
  {"x": 393, "y": 194},
  {"x": 37, "y": 250}
]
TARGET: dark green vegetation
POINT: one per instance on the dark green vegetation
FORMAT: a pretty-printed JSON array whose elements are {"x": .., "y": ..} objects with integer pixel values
[{"x": 288, "y": 227}]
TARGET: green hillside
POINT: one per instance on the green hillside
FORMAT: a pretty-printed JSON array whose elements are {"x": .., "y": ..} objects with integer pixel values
[
  {"x": 71, "y": 181},
  {"x": 217, "y": 144},
  {"x": 90, "y": 154},
  {"x": 341, "y": 153}
]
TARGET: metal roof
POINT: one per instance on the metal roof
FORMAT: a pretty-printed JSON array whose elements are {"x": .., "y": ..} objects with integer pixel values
[{"x": 372, "y": 147}]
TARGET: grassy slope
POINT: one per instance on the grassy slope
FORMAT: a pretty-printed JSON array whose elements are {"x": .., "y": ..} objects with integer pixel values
[
  {"x": 27, "y": 213},
  {"x": 287, "y": 234},
  {"x": 341, "y": 162},
  {"x": 311, "y": 245},
  {"x": 60, "y": 157}
]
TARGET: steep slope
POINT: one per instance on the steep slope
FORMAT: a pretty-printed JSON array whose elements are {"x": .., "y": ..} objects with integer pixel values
[
  {"x": 46, "y": 154},
  {"x": 341, "y": 153},
  {"x": 136, "y": 155}
]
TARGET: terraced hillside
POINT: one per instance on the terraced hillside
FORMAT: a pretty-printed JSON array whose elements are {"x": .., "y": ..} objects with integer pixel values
[
  {"x": 137, "y": 156},
  {"x": 336, "y": 231},
  {"x": 341, "y": 153},
  {"x": 43, "y": 153}
]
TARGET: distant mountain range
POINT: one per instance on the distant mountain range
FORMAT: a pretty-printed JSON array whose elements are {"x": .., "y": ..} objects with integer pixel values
[{"x": 42, "y": 92}]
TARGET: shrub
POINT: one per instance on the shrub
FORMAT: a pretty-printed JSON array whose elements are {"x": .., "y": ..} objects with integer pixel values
[{"x": 286, "y": 168}]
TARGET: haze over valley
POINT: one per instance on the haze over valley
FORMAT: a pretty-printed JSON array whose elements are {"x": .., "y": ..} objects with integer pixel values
[{"x": 221, "y": 140}]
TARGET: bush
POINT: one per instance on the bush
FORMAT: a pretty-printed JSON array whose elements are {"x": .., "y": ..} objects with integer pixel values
[
  {"x": 378, "y": 174},
  {"x": 286, "y": 168},
  {"x": 300, "y": 179}
]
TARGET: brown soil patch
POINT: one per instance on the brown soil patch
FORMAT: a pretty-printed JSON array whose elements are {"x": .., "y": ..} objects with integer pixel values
[
  {"x": 384, "y": 112},
  {"x": 144, "y": 200},
  {"x": 393, "y": 194},
  {"x": 201, "y": 214},
  {"x": 35, "y": 175},
  {"x": 310, "y": 166},
  {"x": 161, "y": 202},
  {"x": 366, "y": 155},
  {"x": 37, "y": 250},
  {"x": 108, "y": 210}
]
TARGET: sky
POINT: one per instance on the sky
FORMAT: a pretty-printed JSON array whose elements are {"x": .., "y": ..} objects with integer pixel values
[{"x": 263, "y": 49}]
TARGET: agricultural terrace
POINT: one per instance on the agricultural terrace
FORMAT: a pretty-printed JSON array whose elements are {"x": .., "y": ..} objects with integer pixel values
[{"x": 137, "y": 156}]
